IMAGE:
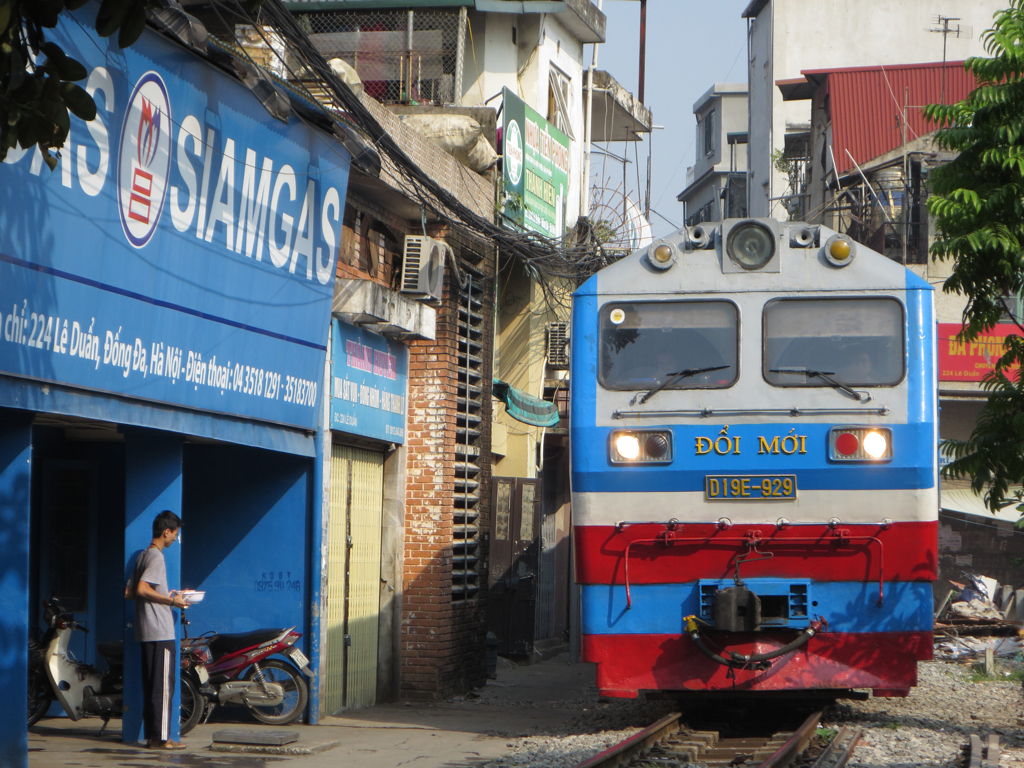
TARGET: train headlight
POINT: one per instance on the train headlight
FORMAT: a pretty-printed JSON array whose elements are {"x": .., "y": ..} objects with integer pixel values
[
  {"x": 662, "y": 255},
  {"x": 751, "y": 245},
  {"x": 875, "y": 445},
  {"x": 627, "y": 447},
  {"x": 640, "y": 447},
  {"x": 860, "y": 444},
  {"x": 840, "y": 250}
]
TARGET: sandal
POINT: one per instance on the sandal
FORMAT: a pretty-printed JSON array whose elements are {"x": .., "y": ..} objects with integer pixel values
[{"x": 157, "y": 744}]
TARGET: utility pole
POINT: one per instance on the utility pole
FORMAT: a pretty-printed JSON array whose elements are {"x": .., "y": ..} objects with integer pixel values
[{"x": 588, "y": 129}]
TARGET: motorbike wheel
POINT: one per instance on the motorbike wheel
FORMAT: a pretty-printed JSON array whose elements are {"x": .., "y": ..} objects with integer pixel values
[
  {"x": 296, "y": 694},
  {"x": 39, "y": 696},
  {"x": 193, "y": 705}
]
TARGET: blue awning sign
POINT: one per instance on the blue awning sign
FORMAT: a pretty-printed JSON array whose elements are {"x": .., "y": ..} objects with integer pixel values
[
  {"x": 369, "y": 375},
  {"x": 183, "y": 252}
]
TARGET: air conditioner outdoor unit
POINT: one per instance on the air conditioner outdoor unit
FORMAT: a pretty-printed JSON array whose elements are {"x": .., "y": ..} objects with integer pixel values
[
  {"x": 423, "y": 267},
  {"x": 558, "y": 345}
]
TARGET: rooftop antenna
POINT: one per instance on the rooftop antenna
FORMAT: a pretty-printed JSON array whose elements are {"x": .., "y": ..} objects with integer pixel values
[{"x": 945, "y": 29}]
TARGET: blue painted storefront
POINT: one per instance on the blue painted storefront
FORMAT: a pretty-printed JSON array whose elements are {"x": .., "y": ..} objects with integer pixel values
[{"x": 164, "y": 316}]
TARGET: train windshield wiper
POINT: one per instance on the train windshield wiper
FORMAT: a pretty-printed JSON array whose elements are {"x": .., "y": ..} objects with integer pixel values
[
  {"x": 826, "y": 376},
  {"x": 679, "y": 376}
]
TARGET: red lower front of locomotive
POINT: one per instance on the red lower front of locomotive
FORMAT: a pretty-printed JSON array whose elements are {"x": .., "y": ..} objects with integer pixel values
[{"x": 628, "y": 664}]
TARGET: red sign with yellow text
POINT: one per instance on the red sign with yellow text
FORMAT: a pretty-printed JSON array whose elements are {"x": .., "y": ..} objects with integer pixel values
[{"x": 970, "y": 360}]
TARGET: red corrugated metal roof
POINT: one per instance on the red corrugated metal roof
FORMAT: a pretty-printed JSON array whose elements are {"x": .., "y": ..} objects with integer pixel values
[{"x": 867, "y": 103}]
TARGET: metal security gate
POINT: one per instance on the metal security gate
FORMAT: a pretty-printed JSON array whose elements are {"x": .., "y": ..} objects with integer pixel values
[
  {"x": 547, "y": 579},
  {"x": 353, "y": 578},
  {"x": 515, "y": 545}
]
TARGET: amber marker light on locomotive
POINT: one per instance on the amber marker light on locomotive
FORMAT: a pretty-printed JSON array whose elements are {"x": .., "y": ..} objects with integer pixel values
[
  {"x": 662, "y": 255},
  {"x": 869, "y": 444},
  {"x": 840, "y": 250},
  {"x": 640, "y": 447}
]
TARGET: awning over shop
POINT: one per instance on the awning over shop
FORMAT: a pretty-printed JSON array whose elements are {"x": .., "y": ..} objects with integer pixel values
[
  {"x": 526, "y": 408},
  {"x": 967, "y": 502}
]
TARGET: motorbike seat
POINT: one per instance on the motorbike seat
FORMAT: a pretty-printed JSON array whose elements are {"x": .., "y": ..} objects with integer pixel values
[
  {"x": 221, "y": 645},
  {"x": 111, "y": 650}
]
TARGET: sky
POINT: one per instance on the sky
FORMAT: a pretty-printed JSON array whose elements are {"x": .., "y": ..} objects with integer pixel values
[{"x": 691, "y": 45}]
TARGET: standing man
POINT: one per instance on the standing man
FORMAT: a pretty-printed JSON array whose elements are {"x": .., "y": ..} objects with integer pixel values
[{"x": 154, "y": 631}]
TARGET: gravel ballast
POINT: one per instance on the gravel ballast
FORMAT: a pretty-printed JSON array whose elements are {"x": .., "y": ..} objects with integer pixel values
[
  {"x": 928, "y": 728},
  {"x": 933, "y": 724}
]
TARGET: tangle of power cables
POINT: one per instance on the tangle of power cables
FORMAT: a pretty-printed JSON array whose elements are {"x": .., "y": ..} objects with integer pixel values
[{"x": 557, "y": 264}]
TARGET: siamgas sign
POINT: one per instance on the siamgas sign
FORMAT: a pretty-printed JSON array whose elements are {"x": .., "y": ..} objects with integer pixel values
[
  {"x": 182, "y": 252},
  {"x": 228, "y": 195}
]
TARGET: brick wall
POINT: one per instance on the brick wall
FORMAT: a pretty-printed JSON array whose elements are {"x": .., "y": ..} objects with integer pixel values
[
  {"x": 443, "y": 643},
  {"x": 975, "y": 544},
  {"x": 442, "y": 648}
]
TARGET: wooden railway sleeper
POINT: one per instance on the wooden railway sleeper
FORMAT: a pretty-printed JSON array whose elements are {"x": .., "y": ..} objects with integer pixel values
[
  {"x": 685, "y": 748},
  {"x": 984, "y": 754}
]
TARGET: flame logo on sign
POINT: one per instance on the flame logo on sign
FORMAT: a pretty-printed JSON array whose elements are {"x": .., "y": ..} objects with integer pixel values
[
  {"x": 149, "y": 132},
  {"x": 144, "y": 158}
]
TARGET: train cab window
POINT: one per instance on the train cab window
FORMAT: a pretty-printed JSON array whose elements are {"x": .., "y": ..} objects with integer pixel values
[
  {"x": 856, "y": 342},
  {"x": 643, "y": 343}
]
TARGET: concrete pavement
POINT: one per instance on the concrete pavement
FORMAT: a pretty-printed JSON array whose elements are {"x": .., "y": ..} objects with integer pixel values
[{"x": 465, "y": 731}]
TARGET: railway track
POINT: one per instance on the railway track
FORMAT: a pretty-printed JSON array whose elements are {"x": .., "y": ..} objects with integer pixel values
[{"x": 667, "y": 743}]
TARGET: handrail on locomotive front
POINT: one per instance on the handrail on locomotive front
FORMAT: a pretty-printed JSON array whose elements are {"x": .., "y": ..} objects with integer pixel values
[
  {"x": 706, "y": 413},
  {"x": 751, "y": 540}
]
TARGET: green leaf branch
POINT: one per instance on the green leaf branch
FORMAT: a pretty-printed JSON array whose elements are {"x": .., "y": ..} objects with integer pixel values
[{"x": 978, "y": 205}]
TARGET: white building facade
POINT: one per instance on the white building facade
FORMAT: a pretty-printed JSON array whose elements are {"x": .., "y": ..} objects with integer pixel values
[
  {"x": 716, "y": 183},
  {"x": 785, "y": 37}
]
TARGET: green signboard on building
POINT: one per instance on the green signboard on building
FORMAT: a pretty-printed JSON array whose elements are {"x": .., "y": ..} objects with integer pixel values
[{"x": 535, "y": 170}]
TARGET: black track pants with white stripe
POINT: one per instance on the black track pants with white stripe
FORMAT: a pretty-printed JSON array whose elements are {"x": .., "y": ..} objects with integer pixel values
[{"x": 158, "y": 662}]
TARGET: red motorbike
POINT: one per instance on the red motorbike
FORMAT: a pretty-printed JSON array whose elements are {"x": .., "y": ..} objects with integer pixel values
[{"x": 236, "y": 669}]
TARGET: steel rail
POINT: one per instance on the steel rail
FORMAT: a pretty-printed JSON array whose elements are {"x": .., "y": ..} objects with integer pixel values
[
  {"x": 637, "y": 744},
  {"x": 787, "y": 754},
  {"x": 638, "y": 747},
  {"x": 839, "y": 751}
]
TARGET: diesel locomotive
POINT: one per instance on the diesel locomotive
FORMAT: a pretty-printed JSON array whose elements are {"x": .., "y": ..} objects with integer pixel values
[{"x": 754, "y": 464}]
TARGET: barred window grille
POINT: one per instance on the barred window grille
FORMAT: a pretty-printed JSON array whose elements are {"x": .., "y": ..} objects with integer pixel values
[
  {"x": 466, "y": 522},
  {"x": 706, "y": 212},
  {"x": 401, "y": 56}
]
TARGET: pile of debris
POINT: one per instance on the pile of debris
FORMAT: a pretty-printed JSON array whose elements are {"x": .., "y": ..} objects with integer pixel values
[{"x": 977, "y": 616}]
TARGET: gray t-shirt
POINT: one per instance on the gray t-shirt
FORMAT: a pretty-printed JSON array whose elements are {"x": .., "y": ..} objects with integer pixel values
[{"x": 153, "y": 621}]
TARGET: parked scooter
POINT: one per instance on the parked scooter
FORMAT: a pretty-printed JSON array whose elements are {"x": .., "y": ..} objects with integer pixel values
[
  {"x": 235, "y": 669},
  {"x": 216, "y": 669},
  {"x": 54, "y": 673}
]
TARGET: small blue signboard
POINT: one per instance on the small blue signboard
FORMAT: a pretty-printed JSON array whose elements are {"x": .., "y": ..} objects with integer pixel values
[
  {"x": 184, "y": 249},
  {"x": 369, "y": 374}
]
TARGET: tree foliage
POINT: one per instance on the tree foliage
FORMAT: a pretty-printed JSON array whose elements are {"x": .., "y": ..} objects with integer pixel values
[
  {"x": 978, "y": 204},
  {"x": 39, "y": 81}
]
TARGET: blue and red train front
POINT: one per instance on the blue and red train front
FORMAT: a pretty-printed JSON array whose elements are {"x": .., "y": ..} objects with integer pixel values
[{"x": 754, "y": 464}]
